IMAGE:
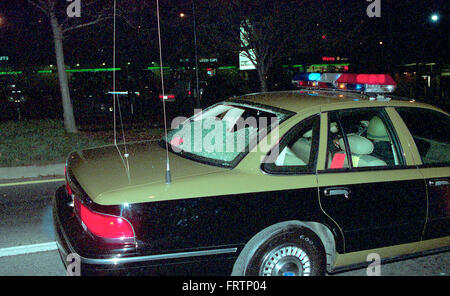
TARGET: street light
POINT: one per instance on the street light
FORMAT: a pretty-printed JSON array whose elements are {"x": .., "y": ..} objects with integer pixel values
[{"x": 434, "y": 17}]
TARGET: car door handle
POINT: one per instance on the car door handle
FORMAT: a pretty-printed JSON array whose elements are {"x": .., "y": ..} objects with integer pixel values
[
  {"x": 438, "y": 182},
  {"x": 337, "y": 191}
]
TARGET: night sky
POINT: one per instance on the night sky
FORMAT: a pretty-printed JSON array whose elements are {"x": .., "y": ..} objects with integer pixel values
[{"x": 404, "y": 28}]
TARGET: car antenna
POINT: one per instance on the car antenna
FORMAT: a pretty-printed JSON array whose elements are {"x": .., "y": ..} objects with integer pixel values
[
  {"x": 168, "y": 176},
  {"x": 125, "y": 156}
]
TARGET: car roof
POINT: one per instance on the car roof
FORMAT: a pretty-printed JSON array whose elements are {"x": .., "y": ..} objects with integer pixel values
[{"x": 300, "y": 100}]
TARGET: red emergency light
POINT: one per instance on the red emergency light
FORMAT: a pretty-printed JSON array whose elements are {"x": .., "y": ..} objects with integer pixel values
[{"x": 375, "y": 79}]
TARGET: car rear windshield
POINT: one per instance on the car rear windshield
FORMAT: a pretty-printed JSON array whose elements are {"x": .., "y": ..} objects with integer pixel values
[{"x": 223, "y": 134}]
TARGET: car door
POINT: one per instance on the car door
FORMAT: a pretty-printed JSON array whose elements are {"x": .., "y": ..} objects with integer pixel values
[
  {"x": 430, "y": 131},
  {"x": 366, "y": 186}
]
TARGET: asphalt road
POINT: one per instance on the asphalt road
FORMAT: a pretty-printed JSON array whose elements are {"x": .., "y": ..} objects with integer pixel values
[{"x": 26, "y": 220}]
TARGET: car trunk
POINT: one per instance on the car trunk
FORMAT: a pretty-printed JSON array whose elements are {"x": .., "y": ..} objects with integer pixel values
[{"x": 107, "y": 171}]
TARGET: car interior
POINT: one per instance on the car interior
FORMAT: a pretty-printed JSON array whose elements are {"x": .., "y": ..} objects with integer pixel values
[
  {"x": 296, "y": 154},
  {"x": 369, "y": 144},
  {"x": 368, "y": 141}
]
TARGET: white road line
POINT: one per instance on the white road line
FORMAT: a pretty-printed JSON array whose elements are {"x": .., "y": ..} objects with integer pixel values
[{"x": 21, "y": 250}]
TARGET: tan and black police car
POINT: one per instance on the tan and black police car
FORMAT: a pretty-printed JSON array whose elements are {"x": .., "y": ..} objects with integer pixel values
[{"x": 282, "y": 183}]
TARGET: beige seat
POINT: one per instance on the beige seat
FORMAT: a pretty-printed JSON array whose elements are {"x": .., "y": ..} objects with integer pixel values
[
  {"x": 302, "y": 149},
  {"x": 298, "y": 153},
  {"x": 377, "y": 131},
  {"x": 361, "y": 148},
  {"x": 288, "y": 158}
]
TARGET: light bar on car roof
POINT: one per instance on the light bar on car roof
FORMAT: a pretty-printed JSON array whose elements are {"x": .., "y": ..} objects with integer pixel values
[{"x": 368, "y": 83}]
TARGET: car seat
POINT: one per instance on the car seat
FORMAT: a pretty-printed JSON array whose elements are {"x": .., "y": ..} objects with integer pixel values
[
  {"x": 377, "y": 132},
  {"x": 361, "y": 148}
]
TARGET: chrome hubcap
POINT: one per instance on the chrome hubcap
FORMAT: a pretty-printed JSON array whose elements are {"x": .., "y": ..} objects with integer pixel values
[{"x": 286, "y": 261}]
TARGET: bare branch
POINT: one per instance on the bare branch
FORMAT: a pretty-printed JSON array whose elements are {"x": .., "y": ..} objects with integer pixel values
[
  {"x": 99, "y": 18},
  {"x": 41, "y": 5},
  {"x": 50, "y": 4}
]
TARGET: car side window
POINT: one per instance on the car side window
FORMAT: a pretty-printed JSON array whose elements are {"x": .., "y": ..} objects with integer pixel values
[
  {"x": 297, "y": 150},
  {"x": 336, "y": 156},
  {"x": 361, "y": 138},
  {"x": 431, "y": 132}
]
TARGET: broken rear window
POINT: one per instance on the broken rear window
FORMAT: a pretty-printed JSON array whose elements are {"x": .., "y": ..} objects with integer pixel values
[{"x": 223, "y": 133}]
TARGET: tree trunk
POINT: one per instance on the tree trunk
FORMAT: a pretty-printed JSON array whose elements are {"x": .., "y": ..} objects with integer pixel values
[
  {"x": 69, "y": 118},
  {"x": 262, "y": 78}
]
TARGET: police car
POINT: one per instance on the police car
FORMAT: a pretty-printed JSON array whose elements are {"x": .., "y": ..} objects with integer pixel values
[{"x": 303, "y": 182}]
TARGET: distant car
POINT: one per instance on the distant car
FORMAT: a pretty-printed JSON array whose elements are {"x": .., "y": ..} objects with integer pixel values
[
  {"x": 183, "y": 90},
  {"x": 321, "y": 180},
  {"x": 167, "y": 97}
]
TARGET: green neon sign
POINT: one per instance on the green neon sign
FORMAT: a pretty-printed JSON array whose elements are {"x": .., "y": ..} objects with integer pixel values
[
  {"x": 156, "y": 68},
  {"x": 93, "y": 70},
  {"x": 226, "y": 67},
  {"x": 11, "y": 73}
]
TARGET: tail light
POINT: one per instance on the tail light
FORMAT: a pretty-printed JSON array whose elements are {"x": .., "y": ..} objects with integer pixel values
[
  {"x": 104, "y": 225},
  {"x": 176, "y": 141},
  {"x": 99, "y": 224},
  {"x": 167, "y": 97}
]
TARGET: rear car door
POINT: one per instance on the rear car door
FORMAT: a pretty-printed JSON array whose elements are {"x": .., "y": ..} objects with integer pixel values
[
  {"x": 375, "y": 196},
  {"x": 430, "y": 131}
]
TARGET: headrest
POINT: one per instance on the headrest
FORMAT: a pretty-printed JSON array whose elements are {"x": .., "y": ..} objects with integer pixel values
[
  {"x": 376, "y": 130},
  {"x": 333, "y": 127},
  {"x": 358, "y": 144},
  {"x": 308, "y": 134}
]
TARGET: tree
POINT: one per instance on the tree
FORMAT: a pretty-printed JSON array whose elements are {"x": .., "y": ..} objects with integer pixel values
[
  {"x": 269, "y": 31},
  {"x": 262, "y": 30},
  {"x": 61, "y": 22}
]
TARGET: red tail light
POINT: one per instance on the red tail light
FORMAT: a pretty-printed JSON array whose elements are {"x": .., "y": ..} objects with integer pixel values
[
  {"x": 176, "y": 141},
  {"x": 166, "y": 97},
  {"x": 103, "y": 225}
]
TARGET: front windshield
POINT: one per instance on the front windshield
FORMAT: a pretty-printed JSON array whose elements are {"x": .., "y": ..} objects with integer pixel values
[{"x": 223, "y": 133}]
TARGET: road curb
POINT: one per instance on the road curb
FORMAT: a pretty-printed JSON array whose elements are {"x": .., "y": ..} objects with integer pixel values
[{"x": 7, "y": 173}]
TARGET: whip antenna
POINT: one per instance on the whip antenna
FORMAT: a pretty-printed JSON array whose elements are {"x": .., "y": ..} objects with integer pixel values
[
  {"x": 168, "y": 177},
  {"x": 116, "y": 98}
]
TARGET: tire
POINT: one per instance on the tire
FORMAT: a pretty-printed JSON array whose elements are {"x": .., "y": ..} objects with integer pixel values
[{"x": 291, "y": 251}]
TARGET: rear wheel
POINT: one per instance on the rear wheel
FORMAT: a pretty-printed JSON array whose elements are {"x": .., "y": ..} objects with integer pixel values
[
  {"x": 286, "y": 260},
  {"x": 289, "y": 252}
]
